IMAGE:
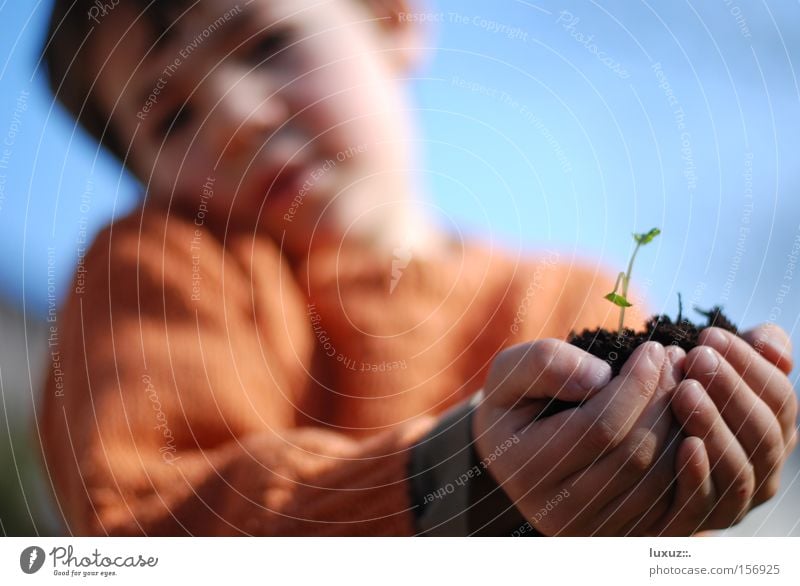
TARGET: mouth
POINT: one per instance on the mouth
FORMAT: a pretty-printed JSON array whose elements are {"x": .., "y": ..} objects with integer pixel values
[{"x": 281, "y": 186}]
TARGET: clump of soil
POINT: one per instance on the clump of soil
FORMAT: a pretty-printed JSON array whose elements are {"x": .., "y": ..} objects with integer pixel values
[{"x": 615, "y": 348}]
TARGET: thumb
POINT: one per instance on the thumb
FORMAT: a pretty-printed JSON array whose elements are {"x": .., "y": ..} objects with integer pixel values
[{"x": 545, "y": 369}]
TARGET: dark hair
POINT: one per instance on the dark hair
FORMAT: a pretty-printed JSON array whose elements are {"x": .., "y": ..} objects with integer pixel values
[{"x": 70, "y": 40}]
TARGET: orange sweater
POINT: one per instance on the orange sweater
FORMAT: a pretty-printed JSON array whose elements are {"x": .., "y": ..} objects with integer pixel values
[{"x": 200, "y": 384}]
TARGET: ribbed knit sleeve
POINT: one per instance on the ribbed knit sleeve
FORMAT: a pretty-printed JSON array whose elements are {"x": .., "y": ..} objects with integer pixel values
[{"x": 175, "y": 399}]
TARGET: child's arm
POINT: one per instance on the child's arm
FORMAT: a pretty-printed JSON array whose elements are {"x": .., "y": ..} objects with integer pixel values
[{"x": 169, "y": 416}]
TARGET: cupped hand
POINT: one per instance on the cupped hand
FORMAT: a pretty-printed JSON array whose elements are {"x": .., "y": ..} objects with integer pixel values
[
  {"x": 740, "y": 411},
  {"x": 604, "y": 467}
]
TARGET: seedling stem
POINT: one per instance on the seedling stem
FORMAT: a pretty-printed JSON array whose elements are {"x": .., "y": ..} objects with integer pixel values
[{"x": 622, "y": 300}]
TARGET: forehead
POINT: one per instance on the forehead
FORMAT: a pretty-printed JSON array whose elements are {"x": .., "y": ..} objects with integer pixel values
[{"x": 132, "y": 47}]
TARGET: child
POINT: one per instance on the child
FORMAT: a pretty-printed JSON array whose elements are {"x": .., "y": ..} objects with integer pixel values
[{"x": 280, "y": 342}]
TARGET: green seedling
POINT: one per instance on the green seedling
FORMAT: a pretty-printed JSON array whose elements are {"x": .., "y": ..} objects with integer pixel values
[{"x": 621, "y": 299}]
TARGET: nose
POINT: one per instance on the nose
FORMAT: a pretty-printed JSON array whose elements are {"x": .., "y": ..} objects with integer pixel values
[{"x": 242, "y": 111}]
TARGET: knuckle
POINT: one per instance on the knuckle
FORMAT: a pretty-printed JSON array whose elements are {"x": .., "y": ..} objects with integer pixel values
[
  {"x": 601, "y": 436},
  {"x": 542, "y": 354},
  {"x": 540, "y": 362},
  {"x": 742, "y": 488},
  {"x": 772, "y": 450},
  {"x": 773, "y": 460},
  {"x": 638, "y": 464},
  {"x": 641, "y": 456},
  {"x": 749, "y": 362}
]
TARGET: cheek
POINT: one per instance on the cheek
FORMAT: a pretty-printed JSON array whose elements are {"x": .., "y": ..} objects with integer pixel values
[
  {"x": 351, "y": 100},
  {"x": 167, "y": 173},
  {"x": 351, "y": 120},
  {"x": 180, "y": 174}
]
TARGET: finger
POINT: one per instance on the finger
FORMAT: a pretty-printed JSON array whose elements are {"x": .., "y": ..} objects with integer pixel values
[
  {"x": 765, "y": 380},
  {"x": 647, "y": 500},
  {"x": 606, "y": 418},
  {"x": 544, "y": 369},
  {"x": 637, "y": 526},
  {"x": 731, "y": 472},
  {"x": 747, "y": 416},
  {"x": 772, "y": 343},
  {"x": 694, "y": 497},
  {"x": 615, "y": 473}
]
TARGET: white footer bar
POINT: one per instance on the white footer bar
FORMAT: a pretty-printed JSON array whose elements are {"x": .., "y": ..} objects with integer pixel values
[{"x": 401, "y": 561}]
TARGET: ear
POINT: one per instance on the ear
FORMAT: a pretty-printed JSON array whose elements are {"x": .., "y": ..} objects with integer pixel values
[{"x": 400, "y": 30}]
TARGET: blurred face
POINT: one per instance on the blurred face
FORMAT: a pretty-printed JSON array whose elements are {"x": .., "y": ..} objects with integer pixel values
[{"x": 284, "y": 110}]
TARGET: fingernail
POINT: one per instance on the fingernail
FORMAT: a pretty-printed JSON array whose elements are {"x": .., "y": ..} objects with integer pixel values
[
  {"x": 675, "y": 353},
  {"x": 693, "y": 393},
  {"x": 656, "y": 353},
  {"x": 707, "y": 361},
  {"x": 779, "y": 343},
  {"x": 715, "y": 337},
  {"x": 593, "y": 373}
]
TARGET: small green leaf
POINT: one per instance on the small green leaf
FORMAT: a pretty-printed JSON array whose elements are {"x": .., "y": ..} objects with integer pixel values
[
  {"x": 647, "y": 237},
  {"x": 619, "y": 300}
]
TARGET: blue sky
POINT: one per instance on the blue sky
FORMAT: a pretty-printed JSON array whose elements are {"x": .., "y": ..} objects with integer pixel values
[{"x": 542, "y": 127}]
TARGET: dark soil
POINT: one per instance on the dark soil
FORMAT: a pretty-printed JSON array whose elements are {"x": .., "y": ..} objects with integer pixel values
[{"x": 616, "y": 348}]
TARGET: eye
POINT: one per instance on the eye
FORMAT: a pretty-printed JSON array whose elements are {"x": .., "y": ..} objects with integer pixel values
[
  {"x": 175, "y": 120},
  {"x": 270, "y": 43}
]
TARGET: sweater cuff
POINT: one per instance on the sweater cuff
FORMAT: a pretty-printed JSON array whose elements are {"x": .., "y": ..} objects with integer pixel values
[{"x": 452, "y": 491}]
